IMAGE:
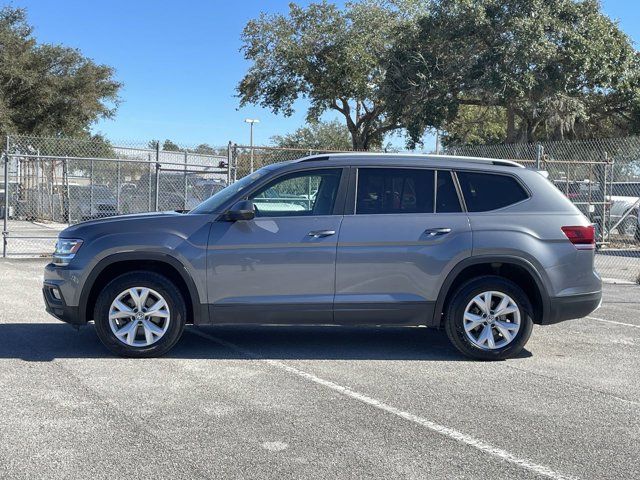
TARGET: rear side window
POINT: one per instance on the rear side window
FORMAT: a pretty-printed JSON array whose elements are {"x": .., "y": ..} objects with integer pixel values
[
  {"x": 394, "y": 190},
  {"x": 487, "y": 191}
]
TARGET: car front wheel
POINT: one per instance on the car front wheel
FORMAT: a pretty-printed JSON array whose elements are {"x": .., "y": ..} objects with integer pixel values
[
  {"x": 140, "y": 314},
  {"x": 488, "y": 318}
]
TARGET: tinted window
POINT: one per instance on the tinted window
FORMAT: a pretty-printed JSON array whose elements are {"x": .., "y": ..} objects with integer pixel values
[
  {"x": 301, "y": 193},
  {"x": 394, "y": 190},
  {"x": 486, "y": 191},
  {"x": 447, "y": 198}
]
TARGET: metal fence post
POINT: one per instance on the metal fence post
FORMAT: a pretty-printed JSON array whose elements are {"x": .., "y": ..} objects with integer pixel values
[
  {"x": 118, "y": 187},
  {"x": 39, "y": 195},
  {"x": 184, "y": 197},
  {"x": 149, "y": 183},
  {"x": 539, "y": 155},
  {"x": 5, "y": 226},
  {"x": 91, "y": 190},
  {"x": 155, "y": 201},
  {"x": 66, "y": 203},
  {"x": 235, "y": 162},
  {"x": 229, "y": 160},
  {"x": 603, "y": 211}
]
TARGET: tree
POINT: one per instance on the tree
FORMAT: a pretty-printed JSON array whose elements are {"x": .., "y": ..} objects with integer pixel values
[
  {"x": 475, "y": 125},
  {"x": 335, "y": 58},
  {"x": 49, "y": 89},
  {"x": 553, "y": 68},
  {"x": 169, "y": 146},
  {"x": 316, "y": 136}
]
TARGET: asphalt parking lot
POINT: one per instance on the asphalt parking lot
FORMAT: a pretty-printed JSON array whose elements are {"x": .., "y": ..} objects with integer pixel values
[{"x": 309, "y": 402}]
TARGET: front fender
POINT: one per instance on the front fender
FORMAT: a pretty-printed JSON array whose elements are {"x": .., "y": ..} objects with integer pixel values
[{"x": 162, "y": 257}]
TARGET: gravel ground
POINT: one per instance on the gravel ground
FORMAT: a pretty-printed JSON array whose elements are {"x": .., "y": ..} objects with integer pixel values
[{"x": 276, "y": 402}]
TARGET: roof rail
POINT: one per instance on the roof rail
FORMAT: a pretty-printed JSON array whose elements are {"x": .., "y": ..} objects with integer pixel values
[
  {"x": 492, "y": 161},
  {"x": 458, "y": 158}
]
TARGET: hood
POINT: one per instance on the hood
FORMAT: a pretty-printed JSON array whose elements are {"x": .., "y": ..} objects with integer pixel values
[{"x": 133, "y": 222}]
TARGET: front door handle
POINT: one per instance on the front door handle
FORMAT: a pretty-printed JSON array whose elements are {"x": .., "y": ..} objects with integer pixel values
[
  {"x": 321, "y": 233},
  {"x": 433, "y": 232}
]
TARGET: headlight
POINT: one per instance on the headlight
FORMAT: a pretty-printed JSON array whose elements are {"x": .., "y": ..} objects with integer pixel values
[{"x": 66, "y": 249}]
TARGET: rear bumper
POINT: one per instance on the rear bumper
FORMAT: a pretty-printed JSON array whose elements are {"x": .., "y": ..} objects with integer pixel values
[{"x": 572, "y": 306}]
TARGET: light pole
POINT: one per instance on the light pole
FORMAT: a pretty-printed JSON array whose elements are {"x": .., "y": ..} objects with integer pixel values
[{"x": 251, "y": 121}]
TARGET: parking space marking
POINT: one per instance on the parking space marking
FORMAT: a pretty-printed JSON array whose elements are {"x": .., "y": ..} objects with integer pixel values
[
  {"x": 612, "y": 321},
  {"x": 617, "y": 281},
  {"x": 430, "y": 425}
]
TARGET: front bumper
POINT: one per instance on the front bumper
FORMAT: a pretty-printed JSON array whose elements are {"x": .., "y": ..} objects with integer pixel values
[
  {"x": 60, "y": 284},
  {"x": 572, "y": 306},
  {"x": 57, "y": 306}
]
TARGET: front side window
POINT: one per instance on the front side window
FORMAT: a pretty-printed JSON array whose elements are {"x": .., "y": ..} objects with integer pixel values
[
  {"x": 487, "y": 191},
  {"x": 299, "y": 194},
  {"x": 394, "y": 190},
  {"x": 214, "y": 203}
]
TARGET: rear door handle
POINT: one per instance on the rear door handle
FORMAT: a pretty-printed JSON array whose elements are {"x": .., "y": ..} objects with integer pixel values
[
  {"x": 433, "y": 232},
  {"x": 321, "y": 233}
]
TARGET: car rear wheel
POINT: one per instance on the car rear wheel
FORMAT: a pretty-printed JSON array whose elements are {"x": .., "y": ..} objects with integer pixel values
[
  {"x": 489, "y": 318},
  {"x": 140, "y": 314}
]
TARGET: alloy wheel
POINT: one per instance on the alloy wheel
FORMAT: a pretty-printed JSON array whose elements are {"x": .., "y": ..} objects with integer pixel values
[
  {"x": 491, "y": 320},
  {"x": 139, "y": 317}
]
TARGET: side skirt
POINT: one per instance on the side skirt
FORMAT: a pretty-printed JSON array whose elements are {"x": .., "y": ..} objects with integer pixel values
[{"x": 397, "y": 313}]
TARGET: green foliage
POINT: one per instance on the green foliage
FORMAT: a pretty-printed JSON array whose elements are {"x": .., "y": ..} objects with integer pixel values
[
  {"x": 169, "y": 146},
  {"x": 316, "y": 136},
  {"x": 476, "y": 126},
  {"x": 333, "y": 57},
  {"x": 49, "y": 89},
  {"x": 556, "y": 68}
]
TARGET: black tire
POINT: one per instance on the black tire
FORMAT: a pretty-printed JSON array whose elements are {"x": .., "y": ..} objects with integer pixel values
[
  {"x": 154, "y": 281},
  {"x": 454, "y": 324}
]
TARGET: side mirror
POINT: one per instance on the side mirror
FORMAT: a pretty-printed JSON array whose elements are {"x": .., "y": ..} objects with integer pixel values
[{"x": 242, "y": 210}]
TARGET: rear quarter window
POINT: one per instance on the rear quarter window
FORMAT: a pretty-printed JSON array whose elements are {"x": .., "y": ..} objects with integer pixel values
[{"x": 484, "y": 192}]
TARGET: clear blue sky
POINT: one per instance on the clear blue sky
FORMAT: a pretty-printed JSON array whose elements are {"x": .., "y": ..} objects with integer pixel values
[{"x": 180, "y": 62}]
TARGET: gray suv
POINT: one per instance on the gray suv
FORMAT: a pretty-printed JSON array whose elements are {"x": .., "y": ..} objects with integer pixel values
[{"x": 482, "y": 248}]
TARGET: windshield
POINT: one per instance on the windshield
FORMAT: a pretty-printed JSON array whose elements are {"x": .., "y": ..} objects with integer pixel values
[{"x": 213, "y": 204}]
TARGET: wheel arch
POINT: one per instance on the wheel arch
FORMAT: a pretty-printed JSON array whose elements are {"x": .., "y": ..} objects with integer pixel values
[
  {"x": 516, "y": 269},
  {"x": 113, "y": 265}
]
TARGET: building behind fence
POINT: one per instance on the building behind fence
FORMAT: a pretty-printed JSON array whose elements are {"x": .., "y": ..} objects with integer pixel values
[{"x": 53, "y": 182}]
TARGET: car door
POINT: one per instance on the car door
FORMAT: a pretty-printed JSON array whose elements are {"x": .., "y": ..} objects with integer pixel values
[
  {"x": 406, "y": 232},
  {"x": 280, "y": 266}
]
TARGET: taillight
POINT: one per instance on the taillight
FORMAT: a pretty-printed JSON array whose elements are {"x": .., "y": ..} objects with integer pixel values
[{"x": 584, "y": 238}]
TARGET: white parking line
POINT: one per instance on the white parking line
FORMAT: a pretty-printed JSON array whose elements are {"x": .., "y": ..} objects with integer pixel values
[
  {"x": 612, "y": 321},
  {"x": 435, "y": 427},
  {"x": 617, "y": 281}
]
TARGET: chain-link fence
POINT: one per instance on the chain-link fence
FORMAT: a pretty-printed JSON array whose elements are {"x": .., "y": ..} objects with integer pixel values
[
  {"x": 51, "y": 183},
  {"x": 246, "y": 159}
]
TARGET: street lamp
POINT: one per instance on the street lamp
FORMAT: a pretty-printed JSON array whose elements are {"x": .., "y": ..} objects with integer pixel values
[{"x": 251, "y": 121}]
